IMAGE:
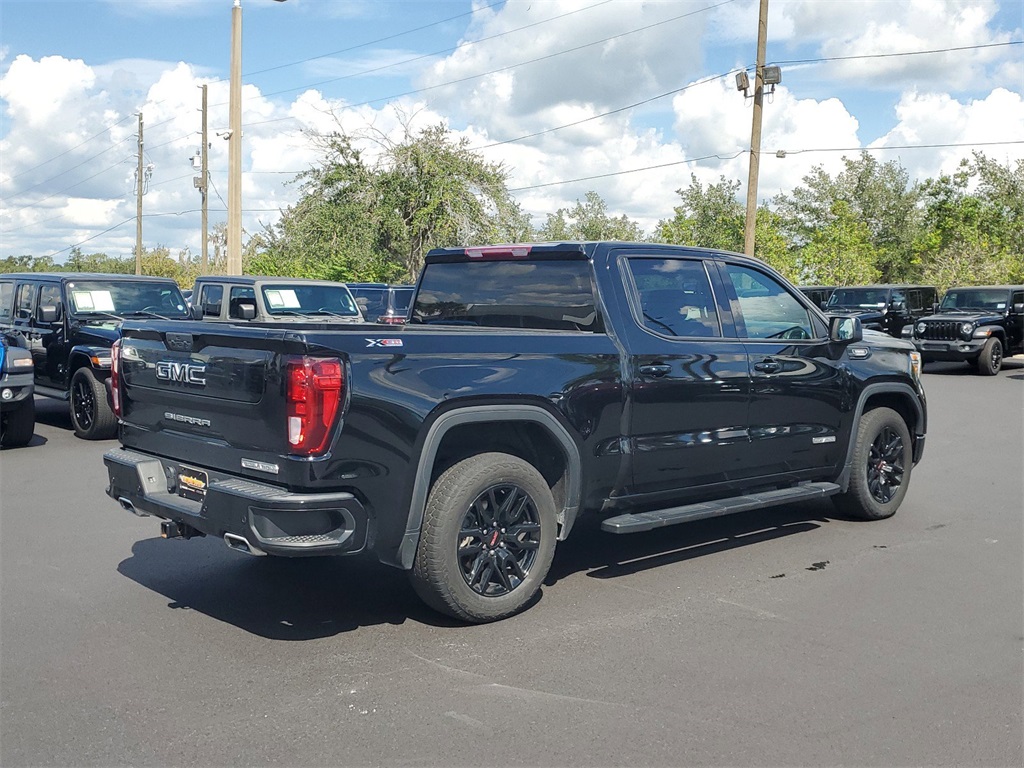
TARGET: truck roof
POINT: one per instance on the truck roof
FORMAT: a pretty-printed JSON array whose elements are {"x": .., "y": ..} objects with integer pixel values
[
  {"x": 65, "y": 276},
  {"x": 578, "y": 249}
]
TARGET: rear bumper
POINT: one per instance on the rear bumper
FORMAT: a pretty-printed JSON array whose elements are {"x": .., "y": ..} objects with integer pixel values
[{"x": 272, "y": 520}]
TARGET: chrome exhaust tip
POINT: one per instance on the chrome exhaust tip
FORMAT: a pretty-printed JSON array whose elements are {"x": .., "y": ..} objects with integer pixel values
[{"x": 241, "y": 544}]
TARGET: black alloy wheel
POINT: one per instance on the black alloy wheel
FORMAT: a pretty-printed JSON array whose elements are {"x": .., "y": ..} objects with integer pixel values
[
  {"x": 83, "y": 403},
  {"x": 885, "y": 465},
  {"x": 498, "y": 540}
]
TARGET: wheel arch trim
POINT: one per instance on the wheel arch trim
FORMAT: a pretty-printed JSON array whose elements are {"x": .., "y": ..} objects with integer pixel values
[
  {"x": 482, "y": 414},
  {"x": 907, "y": 393}
]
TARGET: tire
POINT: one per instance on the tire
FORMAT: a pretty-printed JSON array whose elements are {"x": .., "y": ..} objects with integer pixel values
[
  {"x": 90, "y": 412},
  {"x": 991, "y": 358},
  {"x": 487, "y": 539},
  {"x": 18, "y": 425},
  {"x": 882, "y": 462}
]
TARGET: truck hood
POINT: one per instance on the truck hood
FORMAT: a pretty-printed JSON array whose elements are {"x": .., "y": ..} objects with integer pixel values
[
  {"x": 99, "y": 332},
  {"x": 878, "y": 339},
  {"x": 865, "y": 315},
  {"x": 965, "y": 316}
]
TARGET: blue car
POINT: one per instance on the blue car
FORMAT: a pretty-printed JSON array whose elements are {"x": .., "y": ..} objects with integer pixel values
[{"x": 17, "y": 405}]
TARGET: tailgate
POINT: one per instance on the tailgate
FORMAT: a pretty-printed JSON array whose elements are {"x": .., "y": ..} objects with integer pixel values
[{"x": 208, "y": 394}]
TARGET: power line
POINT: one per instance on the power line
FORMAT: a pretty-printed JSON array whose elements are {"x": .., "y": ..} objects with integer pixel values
[
  {"x": 786, "y": 153},
  {"x": 902, "y": 53},
  {"x": 463, "y": 46},
  {"x": 72, "y": 149},
  {"x": 370, "y": 42}
]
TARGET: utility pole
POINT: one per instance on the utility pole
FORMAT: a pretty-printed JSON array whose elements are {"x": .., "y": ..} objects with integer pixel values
[
  {"x": 234, "y": 265},
  {"x": 138, "y": 206},
  {"x": 755, "y": 130},
  {"x": 201, "y": 183}
]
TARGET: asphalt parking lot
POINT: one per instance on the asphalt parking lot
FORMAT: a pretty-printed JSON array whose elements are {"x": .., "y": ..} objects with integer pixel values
[{"x": 792, "y": 637}]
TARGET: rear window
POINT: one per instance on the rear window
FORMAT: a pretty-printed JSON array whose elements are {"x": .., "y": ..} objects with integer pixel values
[{"x": 553, "y": 295}]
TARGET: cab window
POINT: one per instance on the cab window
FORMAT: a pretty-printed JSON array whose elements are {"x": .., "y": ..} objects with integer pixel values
[
  {"x": 239, "y": 296},
  {"x": 23, "y": 304},
  {"x": 675, "y": 297},
  {"x": 210, "y": 299},
  {"x": 6, "y": 299},
  {"x": 768, "y": 310},
  {"x": 49, "y": 296}
]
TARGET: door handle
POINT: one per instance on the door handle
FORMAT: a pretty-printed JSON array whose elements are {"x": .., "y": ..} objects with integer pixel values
[
  {"x": 655, "y": 369},
  {"x": 768, "y": 366}
]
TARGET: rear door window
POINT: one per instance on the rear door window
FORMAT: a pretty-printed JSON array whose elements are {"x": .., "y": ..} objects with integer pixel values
[
  {"x": 675, "y": 297},
  {"x": 210, "y": 299}
]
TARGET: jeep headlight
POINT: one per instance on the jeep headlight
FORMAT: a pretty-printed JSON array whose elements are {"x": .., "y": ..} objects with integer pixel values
[
  {"x": 921, "y": 328},
  {"x": 967, "y": 329}
]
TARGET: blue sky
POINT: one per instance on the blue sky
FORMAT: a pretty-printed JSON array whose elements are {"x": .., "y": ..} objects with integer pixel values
[{"x": 627, "y": 98}]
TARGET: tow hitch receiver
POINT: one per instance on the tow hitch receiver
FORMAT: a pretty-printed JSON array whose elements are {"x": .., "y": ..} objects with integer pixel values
[{"x": 169, "y": 529}]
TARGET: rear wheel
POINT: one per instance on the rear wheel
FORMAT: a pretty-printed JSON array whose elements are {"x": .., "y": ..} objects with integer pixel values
[
  {"x": 991, "y": 358},
  {"x": 90, "y": 413},
  {"x": 487, "y": 540},
  {"x": 882, "y": 461},
  {"x": 17, "y": 426}
]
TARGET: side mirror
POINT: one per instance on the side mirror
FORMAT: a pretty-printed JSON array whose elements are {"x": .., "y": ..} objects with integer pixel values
[
  {"x": 195, "y": 311},
  {"x": 898, "y": 306},
  {"x": 47, "y": 313},
  {"x": 247, "y": 311},
  {"x": 1018, "y": 309},
  {"x": 845, "y": 330},
  {"x": 935, "y": 307}
]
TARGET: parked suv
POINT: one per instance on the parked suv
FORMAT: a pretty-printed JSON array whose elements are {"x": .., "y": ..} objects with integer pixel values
[
  {"x": 381, "y": 303},
  {"x": 978, "y": 325},
  {"x": 68, "y": 321},
  {"x": 272, "y": 299},
  {"x": 819, "y": 294},
  {"x": 886, "y": 308},
  {"x": 17, "y": 406}
]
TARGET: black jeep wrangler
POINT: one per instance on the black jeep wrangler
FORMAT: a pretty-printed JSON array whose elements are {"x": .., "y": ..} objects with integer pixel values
[
  {"x": 68, "y": 321},
  {"x": 978, "y": 325},
  {"x": 888, "y": 308}
]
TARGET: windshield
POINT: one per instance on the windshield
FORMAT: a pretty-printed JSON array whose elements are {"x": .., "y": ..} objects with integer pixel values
[
  {"x": 974, "y": 298},
  {"x": 859, "y": 298},
  {"x": 124, "y": 298},
  {"x": 297, "y": 298}
]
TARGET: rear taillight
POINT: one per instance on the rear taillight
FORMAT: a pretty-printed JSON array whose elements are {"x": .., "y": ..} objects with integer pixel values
[
  {"x": 115, "y": 378},
  {"x": 315, "y": 387}
]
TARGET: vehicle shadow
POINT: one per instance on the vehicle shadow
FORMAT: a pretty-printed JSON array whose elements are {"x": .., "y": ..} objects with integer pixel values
[
  {"x": 962, "y": 369},
  {"x": 278, "y": 598},
  {"x": 608, "y": 556},
  {"x": 312, "y": 598},
  {"x": 53, "y": 413}
]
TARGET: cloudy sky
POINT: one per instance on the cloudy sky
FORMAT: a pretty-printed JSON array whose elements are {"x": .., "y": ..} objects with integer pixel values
[{"x": 627, "y": 98}]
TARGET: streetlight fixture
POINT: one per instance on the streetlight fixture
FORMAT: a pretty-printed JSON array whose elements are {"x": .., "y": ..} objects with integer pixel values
[{"x": 234, "y": 233}]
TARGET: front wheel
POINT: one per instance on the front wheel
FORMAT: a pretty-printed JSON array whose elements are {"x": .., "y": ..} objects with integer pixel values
[
  {"x": 90, "y": 413},
  {"x": 487, "y": 540},
  {"x": 882, "y": 461},
  {"x": 991, "y": 358}
]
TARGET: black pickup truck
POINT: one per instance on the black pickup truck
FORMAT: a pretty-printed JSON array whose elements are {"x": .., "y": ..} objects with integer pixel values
[{"x": 647, "y": 384}]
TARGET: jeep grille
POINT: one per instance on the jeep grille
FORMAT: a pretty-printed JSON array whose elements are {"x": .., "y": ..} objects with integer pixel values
[{"x": 943, "y": 330}]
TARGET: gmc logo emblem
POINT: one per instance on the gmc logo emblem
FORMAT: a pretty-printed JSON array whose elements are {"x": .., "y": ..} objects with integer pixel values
[{"x": 186, "y": 373}]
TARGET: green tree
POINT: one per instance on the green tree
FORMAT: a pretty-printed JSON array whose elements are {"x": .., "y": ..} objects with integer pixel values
[
  {"x": 840, "y": 253},
  {"x": 590, "y": 221},
  {"x": 360, "y": 219},
  {"x": 879, "y": 195},
  {"x": 706, "y": 218}
]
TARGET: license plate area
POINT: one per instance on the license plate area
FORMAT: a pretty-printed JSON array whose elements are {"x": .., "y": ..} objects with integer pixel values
[{"x": 192, "y": 483}]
